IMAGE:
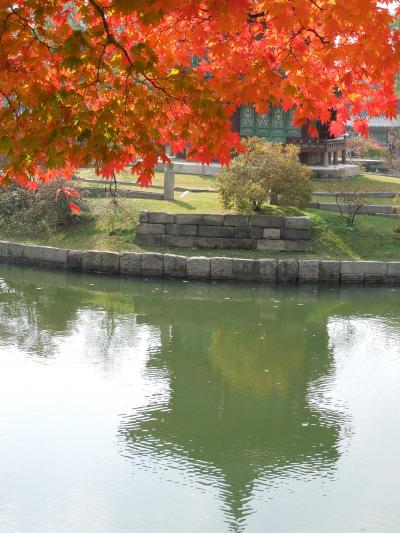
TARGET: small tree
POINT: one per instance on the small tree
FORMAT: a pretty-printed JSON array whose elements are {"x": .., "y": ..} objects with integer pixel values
[
  {"x": 265, "y": 171},
  {"x": 350, "y": 204},
  {"x": 367, "y": 148}
]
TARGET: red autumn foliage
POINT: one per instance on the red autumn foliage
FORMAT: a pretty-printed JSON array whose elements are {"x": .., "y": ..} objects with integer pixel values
[{"x": 111, "y": 82}]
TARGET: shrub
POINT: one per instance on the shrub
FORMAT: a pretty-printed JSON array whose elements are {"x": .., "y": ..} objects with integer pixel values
[
  {"x": 367, "y": 148},
  {"x": 265, "y": 171},
  {"x": 39, "y": 212}
]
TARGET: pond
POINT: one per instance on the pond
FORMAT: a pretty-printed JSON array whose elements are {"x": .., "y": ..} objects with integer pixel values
[{"x": 130, "y": 406}]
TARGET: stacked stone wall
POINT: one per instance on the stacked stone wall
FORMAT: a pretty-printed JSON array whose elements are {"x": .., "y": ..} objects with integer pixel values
[
  {"x": 254, "y": 232},
  {"x": 170, "y": 266}
]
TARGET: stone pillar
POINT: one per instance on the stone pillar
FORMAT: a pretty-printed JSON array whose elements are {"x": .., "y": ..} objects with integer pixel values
[
  {"x": 335, "y": 157},
  {"x": 169, "y": 182},
  {"x": 325, "y": 159},
  {"x": 344, "y": 157}
]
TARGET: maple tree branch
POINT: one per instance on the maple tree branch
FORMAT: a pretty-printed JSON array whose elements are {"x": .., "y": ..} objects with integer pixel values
[
  {"x": 314, "y": 3},
  {"x": 323, "y": 39},
  {"x": 11, "y": 106},
  {"x": 254, "y": 16},
  {"x": 34, "y": 32},
  {"x": 112, "y": 40}
]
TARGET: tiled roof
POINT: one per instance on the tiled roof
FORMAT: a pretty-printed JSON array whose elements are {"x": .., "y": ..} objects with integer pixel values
[
  {"x": 384, "y": 122},
  {"x": 379, "y": 122}
]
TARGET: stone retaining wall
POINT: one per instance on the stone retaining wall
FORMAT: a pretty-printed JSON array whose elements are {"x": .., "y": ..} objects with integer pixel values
[
  {"x": 364, "y": 210},
  {"x": 203, "y": 268},
  {"x": 254, "y": 232}
]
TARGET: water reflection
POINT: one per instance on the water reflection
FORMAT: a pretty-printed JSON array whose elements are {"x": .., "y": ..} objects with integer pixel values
[
  {"x": 230, "y": 392},
  {"x": 239, "y": 380}
]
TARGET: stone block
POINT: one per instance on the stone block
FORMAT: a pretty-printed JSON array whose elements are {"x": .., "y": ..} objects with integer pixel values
[
  {"x": 152, "y": 240},
  {"x": 130, "y": 263},
  {"x": 4, "y": 248},
  {"x": 265, "y": 270},
  {"x": 393, "y": 268},
  {"x": 91, "y": 260},
  {"x": 213, "y": 220},
  {"x": 218, "y": 231},
  {"x": 176, "y": 241},
  {"x": 45, "y": 255},
  {"x": 150, "y": 229},
  {"x": 375, "y": 278},
  {"x": 236, "y": 220},
  {"x": 288, "y": 270},
  {"x": 33, "y": 254},
  {"x": 363, "y": 267},
  {"x": 243, "y": 269},
  {"x": 198, "y": 267},
  {"x": 240, "y": 244},
  {"x": 297, "y": 234},
  {"x": 266, "y": 221},
  {"x": 221, "y": 268},
  {"x": 299, "y": 246},
  {"x": 308, "y": 271},
  {"x": 55, "y": 256},
  {"x": 329, "y": 271},
  {"x": 254, "y": 232},
  {"x": 272, "y": 233},
  {"x": 328, "y": 206},
  {"x": 161, "y": 218},
  {"x": 152, "y": 264},
  {"x": 271, "y": 245},
  {"x": 189, "y": 219},
  {"x": 392, "y": 279},
  {"x": 143, "y": 216},
  {"x": 208, "y": 242},
  {"x": 297, "y": 223},
  {"x": 16, "y": 250},
  {"x": 74, "y": 260},
  {"x": 110, "y": 262},
  {"x": 352, "y": 278},
  {"x": 174, "y": 266},
  {"x": 181, "y": 229}
]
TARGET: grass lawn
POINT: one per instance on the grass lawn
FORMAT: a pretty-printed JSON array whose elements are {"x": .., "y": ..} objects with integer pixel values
[
  {"x": 366, "y": 182},
  {"x": 181, "y": 180},
  {"x": 373, "y": 237},
  {"x": 369, "y": 182}
]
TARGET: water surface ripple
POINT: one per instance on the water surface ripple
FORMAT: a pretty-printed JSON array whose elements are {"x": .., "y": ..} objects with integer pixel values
[{"x": 166, "y": 407}]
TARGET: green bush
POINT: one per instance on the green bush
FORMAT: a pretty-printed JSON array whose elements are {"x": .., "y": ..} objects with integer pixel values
[
  {"x": 41, "y": 212},
  {"x": 265, "y": 171},
  {"x": 367, "y": 148}
]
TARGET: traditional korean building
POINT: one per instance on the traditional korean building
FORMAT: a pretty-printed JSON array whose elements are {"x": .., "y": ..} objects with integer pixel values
[
  {"x": 381, "y": 129},
  {"x": 325, "y": 154},
  {"x": 277, "y": 126}
]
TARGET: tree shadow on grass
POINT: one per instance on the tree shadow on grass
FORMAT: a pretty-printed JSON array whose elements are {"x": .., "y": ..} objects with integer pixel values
[{"x": 183, "y": 205}]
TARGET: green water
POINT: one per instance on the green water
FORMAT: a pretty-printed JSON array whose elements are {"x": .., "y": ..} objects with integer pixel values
[{"x": 159, "y": 407}]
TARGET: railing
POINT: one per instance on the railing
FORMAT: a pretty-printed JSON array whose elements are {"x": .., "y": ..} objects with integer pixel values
[{"x": 318, "y": 145}]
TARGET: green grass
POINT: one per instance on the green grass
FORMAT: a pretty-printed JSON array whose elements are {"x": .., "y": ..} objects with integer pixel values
[
  {"x": 373, "y": 237},
  {"x": 374, "y": 201},
  {"x": 181, "y": 180},
  {"x": 365, "y": 182}
]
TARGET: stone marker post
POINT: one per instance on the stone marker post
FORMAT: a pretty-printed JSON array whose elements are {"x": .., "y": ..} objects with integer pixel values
[{"x": 169, "y": 182}]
